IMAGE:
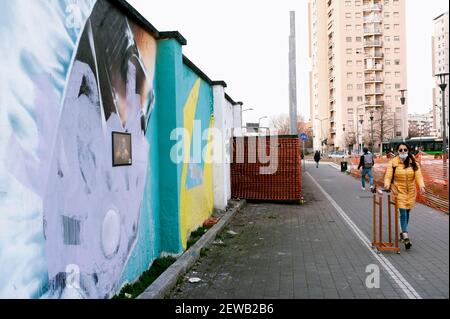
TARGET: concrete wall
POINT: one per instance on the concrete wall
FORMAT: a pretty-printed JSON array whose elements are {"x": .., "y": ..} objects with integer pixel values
[{"x": 71, "y": 88}]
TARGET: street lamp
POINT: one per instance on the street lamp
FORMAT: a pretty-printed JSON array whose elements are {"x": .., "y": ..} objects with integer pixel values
[
  {"x": 361, "y": 121},
  {"x": 321, "y": 130},
  {"x": 403, "y": 101},
  {"x": 259, "y": 121},
  {"x": 371, "y": 110},
  {"x": 443, "y": 86}
]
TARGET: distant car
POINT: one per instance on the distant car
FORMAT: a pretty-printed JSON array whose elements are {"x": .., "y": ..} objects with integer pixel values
[{"x": 336, "y": 155}]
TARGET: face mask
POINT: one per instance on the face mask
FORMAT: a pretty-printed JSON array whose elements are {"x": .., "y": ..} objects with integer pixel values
[{"x": 403, "y": 156}]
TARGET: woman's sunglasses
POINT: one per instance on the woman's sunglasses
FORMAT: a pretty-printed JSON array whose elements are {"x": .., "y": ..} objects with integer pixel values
[{"x": 403, "y": 150}]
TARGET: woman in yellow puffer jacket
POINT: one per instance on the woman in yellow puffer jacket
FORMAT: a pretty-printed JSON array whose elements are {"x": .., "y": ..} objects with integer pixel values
[{"x": 404, "y": 173}]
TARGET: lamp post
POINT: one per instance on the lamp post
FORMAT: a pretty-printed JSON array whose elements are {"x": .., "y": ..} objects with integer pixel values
[
  {"x": 345, "y": 142},
  {"x": 321, "y": 130},
  {"x": 259, "y": 121},
  {"x": 443, "y": 86},
  {"x": 403, "y": 101},
  {"x": 361, "y": 121}
]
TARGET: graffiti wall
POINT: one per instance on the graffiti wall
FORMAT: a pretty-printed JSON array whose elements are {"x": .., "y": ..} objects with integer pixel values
[
  {"x": 76, "y": 170},
  {"x": 196, "y": 192}
]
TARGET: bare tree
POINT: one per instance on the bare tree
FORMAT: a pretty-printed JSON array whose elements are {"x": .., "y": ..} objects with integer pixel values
[
  {"x": 383, "y": 126},
  {"x": 282, "y": 124}
]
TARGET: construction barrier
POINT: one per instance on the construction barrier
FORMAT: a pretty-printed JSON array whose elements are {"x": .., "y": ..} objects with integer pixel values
[
  {"x": 278, "y": 179},
  {"x": 435, "y": 174}
]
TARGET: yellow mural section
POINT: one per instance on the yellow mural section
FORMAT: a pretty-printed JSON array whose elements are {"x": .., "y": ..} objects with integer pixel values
[{"x": 196, "y": 204}]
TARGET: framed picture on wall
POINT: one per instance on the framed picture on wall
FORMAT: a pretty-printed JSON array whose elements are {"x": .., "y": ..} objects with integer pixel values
[{"x": 121, "y": 149}]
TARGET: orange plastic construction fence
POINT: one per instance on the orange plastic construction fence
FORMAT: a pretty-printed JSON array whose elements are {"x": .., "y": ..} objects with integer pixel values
[{"x": 435, "y": 174}]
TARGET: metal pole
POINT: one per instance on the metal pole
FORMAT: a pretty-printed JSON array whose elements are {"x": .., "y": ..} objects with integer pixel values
[
  {"x": 371, "y": 132},
  {"x": 304, "y": 160},
  {"x": 444, "y": 128},
  {"x": 293, "y": 78}
]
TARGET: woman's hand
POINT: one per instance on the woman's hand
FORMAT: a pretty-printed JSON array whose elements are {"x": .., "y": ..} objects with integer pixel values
[{"x": 422, "y": 191}]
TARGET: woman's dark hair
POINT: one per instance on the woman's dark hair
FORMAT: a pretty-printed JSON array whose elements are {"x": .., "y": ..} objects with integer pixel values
[{"x": 411, "y": 159}]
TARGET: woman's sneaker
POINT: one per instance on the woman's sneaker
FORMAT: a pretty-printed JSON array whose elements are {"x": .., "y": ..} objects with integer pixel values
[
  {"x": 401, "y": 238},
  {"x": 407, "y": 243}
]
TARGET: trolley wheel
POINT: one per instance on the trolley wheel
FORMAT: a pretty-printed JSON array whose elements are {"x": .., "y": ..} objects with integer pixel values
[{"x": 398, "y": 253}]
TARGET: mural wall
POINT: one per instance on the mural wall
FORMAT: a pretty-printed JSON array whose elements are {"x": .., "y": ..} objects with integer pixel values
[
  {"x": 87, "y": 71},
  {"x": 196, "y": 192},
  {"x": 89, "y": 195}
]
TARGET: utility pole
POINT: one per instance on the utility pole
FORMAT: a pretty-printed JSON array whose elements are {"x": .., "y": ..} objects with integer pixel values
[{"x": 293, "y": 78}]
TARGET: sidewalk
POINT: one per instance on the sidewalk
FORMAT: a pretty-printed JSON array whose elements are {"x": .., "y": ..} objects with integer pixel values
[{"x": 316, "y": 251}]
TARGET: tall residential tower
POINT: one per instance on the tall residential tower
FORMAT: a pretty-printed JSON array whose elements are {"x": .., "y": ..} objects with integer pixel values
[{"x": 358, "y": 56}]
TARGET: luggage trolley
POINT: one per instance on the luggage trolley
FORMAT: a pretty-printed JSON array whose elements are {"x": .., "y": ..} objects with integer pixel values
[{"x": 391, "y": 245}]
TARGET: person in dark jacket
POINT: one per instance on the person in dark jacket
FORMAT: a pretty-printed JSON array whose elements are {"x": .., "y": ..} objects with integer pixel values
[
  {"x": 317, "y": 158},
  {"x": 366, "y": 162}
]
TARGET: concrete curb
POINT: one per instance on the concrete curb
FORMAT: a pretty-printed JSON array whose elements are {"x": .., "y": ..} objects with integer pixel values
[{"x": 168, "y": 279}]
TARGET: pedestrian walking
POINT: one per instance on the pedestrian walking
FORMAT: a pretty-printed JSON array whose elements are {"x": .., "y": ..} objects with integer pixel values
[
  {"x": 317, "y": 158},
  {"x": 366, "y": 162},
  {"x": 402, "y": 175}
]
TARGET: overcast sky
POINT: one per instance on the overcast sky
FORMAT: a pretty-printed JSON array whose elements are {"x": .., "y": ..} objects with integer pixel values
[{"x": 245, "y": 43}]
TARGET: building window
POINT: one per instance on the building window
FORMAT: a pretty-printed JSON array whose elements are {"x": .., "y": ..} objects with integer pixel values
[
  {"x": 387, "y": 38},
  {"x": 387, "y": 15},
  {"x": 348, "y": 15},
  {"x": 387, "y": 50},
  {"x": 348, "y": 39},
  {"x": 397, "y": 86},
  {"x": 349, "y": 75},
  {"x": 388, "y": 86},
  {"x": 359, "y": 86},
  {"x": 359, "y": 74},
  {"x": 349, "y": 62},
  {"x": 348, "y": 27},
  {"x": 387, "y": 26},
  {"x": 388, "y": 62},
  {"x": 350, "y": 111},
  {"x": 397, "y": 74},
  {"x": 357, "y": 3},
  {"x": 397, "y": 50},
  {"x": 360, "y": 98},
  {"x": 386, "y": 3},
  {"x": 358, "y": 27},
  {"x": 349, "y": 98},
  {"x": 359, "y": 62},
  {"x": 358, "y": 39},
  {"x": 396, "y": 2},
  {"x": 396, "y": 38},
  {"x": 357, "y": 15},
  {"x": 397, "y": 61},
  {"x": 349, "y": 86},
  {"x": 349, "y": 51},
  {"x": 396, "y": 15},
  {"x": 396, "y": 26},
  {"x": 348, "y": 3}
]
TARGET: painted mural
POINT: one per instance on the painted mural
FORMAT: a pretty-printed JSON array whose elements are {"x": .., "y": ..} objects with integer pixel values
[
  {"x": 196, "y": 197},
  {"x": 78, "y": 73}
]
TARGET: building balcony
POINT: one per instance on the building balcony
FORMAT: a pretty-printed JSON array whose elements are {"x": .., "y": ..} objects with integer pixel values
[
  {"x": 376, "y": 55},
  {"x": 332, "y": 120},
  {"x": 372, "y": 31},
  {"x": 374, "y": 92},
  {"x": 373, "y": 79},
  {"x": 373, "y": 7},
  {"x": 373, "y": 43},
  {"x": 372, "y": 19},
  {"x": 375, "y": 67},
  {"x": 374, "y": 104}
]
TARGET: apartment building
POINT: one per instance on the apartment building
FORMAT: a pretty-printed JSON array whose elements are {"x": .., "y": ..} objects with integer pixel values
[
  {"x": 421, "y": 125},
  {"x": 358, "y": 58},
  {"x": 440, "y": 65}
]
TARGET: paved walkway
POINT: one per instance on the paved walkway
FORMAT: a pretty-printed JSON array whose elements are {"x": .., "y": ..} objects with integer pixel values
[{"x": 320, "y": 250}]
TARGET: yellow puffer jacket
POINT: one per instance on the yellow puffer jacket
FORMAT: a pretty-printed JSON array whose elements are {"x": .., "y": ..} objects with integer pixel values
[{"x": 405, "y": 181}]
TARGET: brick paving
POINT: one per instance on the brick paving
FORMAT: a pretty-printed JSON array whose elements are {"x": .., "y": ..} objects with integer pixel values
[{"x": 308, "y": 251}]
